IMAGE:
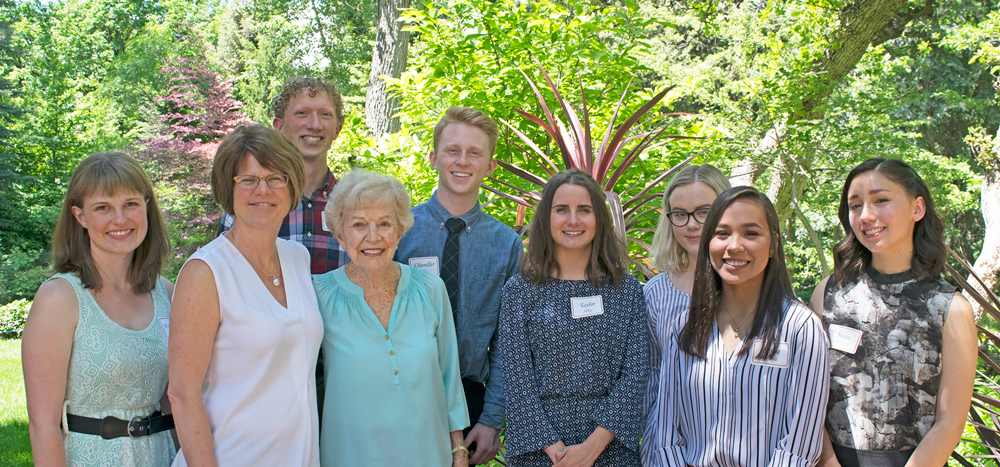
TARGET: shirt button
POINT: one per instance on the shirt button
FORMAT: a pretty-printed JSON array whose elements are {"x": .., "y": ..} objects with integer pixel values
[
  {"x": 309, "y": 234},
  {"x": 395, "y": 372},
  {"x": 392, "y": 352},
  {"x": 386, "y": 337},
  {"x": 310, "y": 205}
]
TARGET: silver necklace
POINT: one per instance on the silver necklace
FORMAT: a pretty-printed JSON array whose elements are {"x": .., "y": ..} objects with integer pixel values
[
  {"x": 274, "y": 279},
  {"x": 736, "y": 326}
]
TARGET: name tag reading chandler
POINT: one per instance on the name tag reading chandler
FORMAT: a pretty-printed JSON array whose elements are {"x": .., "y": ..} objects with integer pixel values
[
  {"x": 844, "y": 339},
  {"x": 427, "y": 263},
  {"x": 587, "y": 306}
]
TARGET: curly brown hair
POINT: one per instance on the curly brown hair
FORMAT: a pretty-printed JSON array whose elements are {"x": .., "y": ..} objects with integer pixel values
[{"x": 296, "y": 86}]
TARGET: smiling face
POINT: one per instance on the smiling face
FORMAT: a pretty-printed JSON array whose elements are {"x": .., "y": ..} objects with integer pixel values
[
  {"x": 882, "y": 215},
  {"x": 462, "y": 159},
  {"x": 115, "y": 224},
  {"x": 740, "y": 246},
  {"x": 370, "y": 236},
  {"x": 697, "y": 196},
  {"x": 572, "y": 221},
  {"x": 310, "y": 123},
  {"x": 263, "y": 207}
]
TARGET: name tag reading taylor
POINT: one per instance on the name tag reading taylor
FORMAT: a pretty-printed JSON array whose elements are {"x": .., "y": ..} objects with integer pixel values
[
  {"x": 427, "y": 263},
  {"x": 587, "y": 306}
]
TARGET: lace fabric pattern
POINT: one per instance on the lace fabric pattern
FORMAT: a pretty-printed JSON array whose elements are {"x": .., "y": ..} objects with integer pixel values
[{"x": 115, "y": 371}]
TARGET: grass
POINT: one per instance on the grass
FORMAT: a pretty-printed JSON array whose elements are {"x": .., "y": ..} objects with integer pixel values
[{"x": 15, "y": 447}]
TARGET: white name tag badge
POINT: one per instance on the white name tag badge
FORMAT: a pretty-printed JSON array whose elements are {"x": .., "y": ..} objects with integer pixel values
[
  {"x": 587, "y": 306},
  {"x": 325, "y": 228},
  {"x": 165, "y": 322},
  {"x": 780, "y": 359},
  {"x": 844, "y": 339},
  {"x": 427, "y": 263}
]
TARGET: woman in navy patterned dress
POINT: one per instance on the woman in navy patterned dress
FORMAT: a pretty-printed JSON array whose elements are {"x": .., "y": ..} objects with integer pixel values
[{"x": 573, "y": 337}]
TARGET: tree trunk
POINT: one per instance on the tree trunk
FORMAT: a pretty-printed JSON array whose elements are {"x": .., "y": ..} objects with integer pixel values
[
  {"x": 745, "y": 173},
  {"x": 987, "y": 266},
  {"x": 388, "y": 59},
  {"x": 861, "y": 23}
]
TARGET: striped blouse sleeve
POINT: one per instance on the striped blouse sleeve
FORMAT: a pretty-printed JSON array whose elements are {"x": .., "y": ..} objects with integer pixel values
[
  {"x": 656, "y": 297},
  {"x": 808, "y": 391}
]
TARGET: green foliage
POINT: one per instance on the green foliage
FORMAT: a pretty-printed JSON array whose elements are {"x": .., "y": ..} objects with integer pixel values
[
  {"x": 21, "y": 273},
  {"x": 12, "y": 317},
  {"x": 15, "y": 446}
]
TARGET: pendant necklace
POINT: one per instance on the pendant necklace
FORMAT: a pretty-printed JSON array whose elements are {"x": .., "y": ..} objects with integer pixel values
[
  {"x": 274, "y": 279},
  {"x": 736, "y": 326}
]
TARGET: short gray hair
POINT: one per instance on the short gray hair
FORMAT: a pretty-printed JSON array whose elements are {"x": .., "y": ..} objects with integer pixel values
[{"x": 360, "y": 188}]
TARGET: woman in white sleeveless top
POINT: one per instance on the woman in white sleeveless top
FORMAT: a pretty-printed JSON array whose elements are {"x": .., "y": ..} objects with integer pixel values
[
  {"x": 94, "y": 348},
  {"x": 246, "y": 328}
]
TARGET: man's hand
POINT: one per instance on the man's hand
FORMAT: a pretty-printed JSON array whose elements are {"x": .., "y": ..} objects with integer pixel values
[{"x": 487, "y": 441}]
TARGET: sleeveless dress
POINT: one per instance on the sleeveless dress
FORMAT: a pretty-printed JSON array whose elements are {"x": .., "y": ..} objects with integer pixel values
[
  {"x": 118, "y": 372},
  {"x": 260, "y": 389},
  {"x": 882, "y": 397}
]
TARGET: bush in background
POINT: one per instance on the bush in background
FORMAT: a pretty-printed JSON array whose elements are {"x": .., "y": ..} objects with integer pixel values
[
  {"x": 12, "y": 317},
  {"x": 21, "y": 273}
]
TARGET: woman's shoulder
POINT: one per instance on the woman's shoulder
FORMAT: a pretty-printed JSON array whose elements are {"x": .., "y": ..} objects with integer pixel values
[
  {"x": 516, "y": 283},
  {"x": 209, "y": 249},
  {"x": 798, "y": 317},
  {"x": 661, "y": 285},
  {"x": 420, "y": 278},
  {"x": 326, "y": 283},
  {"x": 58, "y": 291},
  {"x": 297, "y": 249}
]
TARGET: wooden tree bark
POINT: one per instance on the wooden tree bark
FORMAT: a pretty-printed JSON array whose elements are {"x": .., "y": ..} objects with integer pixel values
[
  {"x": 388, "y": 59},
  {"x": 862, "y": 23},
  {"x": 987, "y": 266}
]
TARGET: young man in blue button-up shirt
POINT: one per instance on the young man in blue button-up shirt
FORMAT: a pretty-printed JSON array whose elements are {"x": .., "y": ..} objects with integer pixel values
[{"x": 464, "y": 142}]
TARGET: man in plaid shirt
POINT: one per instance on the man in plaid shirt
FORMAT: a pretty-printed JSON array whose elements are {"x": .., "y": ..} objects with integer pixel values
[{"x": 309, "y": 112}]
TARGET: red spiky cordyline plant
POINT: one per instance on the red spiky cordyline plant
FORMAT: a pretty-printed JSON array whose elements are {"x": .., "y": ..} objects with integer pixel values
[{"x": 577, "y": 151}]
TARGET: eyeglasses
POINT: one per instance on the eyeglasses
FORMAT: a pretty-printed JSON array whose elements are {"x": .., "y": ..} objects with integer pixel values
[
  {"x": 250, "y": 182},
  {"x": 680, "y": 218}
]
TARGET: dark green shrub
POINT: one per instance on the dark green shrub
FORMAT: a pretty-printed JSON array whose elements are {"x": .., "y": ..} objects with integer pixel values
[{"x": 21, "y": 273}]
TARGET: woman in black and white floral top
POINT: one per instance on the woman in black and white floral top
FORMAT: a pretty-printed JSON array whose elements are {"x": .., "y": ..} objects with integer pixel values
[{"x": 903, "y": 342}]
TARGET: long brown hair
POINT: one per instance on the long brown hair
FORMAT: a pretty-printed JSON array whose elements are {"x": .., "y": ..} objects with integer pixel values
[
  {"x": 108, "y": 173},
  {"x": 607, "y": 255},
  {"x": 930, "y": 255},
  {"x": 706, "y": 294}
]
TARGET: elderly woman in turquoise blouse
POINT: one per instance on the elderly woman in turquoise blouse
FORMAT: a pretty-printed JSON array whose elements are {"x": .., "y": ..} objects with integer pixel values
[{"x": 394, "y": 391}]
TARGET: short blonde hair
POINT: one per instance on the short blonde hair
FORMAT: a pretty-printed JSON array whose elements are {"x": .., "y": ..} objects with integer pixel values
[
  {"x": 273, "y": 152},
  {"x": 472, "y": 117},
  {"x": 360, "y": 188},
  {"x": 668, "y": 255}
]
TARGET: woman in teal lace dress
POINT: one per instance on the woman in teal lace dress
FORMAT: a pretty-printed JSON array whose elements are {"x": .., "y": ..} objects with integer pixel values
[{"x": 94, "y": 348}]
